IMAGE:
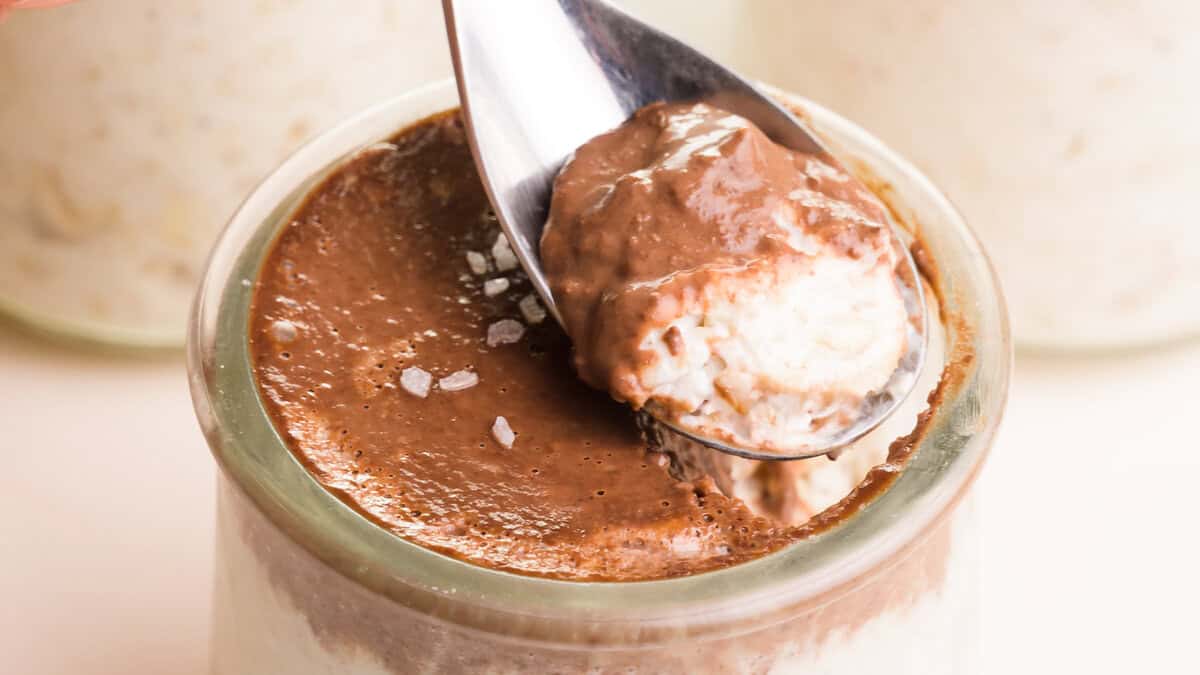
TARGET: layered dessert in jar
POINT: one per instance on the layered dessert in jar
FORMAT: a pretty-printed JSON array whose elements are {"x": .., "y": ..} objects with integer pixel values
[{"x": 416, "y": 479}]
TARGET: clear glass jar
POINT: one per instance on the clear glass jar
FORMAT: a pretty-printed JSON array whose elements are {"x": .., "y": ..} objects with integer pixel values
[
  {"x": 305, "y": 584},
  {"x": 131, "y": 129},
  {"x": 1065, "y": 131}
]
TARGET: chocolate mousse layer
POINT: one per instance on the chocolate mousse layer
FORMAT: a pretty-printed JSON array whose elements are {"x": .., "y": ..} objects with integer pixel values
[
  {"x": 653, "y": 215},
  {"x": 390, "y": 330}
]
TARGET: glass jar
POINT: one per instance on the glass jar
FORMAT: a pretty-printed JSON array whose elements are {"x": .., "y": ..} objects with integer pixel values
[
  {"x": 131, "y": 129},
  {"x": 1065, "y": 131},
  {"x": 306, "y": 584}
]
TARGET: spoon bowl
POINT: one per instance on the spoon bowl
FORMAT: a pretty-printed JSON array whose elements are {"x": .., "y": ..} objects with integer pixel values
[{"x": 539, "y": 78}]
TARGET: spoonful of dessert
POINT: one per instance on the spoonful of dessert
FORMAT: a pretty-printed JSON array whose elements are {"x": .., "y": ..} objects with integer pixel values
[{"x": 714, "y": 265}]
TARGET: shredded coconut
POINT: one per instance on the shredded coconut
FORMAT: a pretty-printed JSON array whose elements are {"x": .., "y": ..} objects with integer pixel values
[
  {"x": 503, "y": 254},
  {"x": 494, "y": 287},
  {"x": 532, "y": 310},
  {"x": 503, "y": 433},
  {"x": 504, "y": 332},
  {"x": 457, "y": 381},
  {"x": 416, "y": 381},
  {"x": 477, "y": 262}
]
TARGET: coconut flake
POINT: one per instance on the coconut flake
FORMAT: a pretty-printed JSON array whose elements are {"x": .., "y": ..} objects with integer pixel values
[
  {"x": 503, "y": 254},
  {"x": 504, "y": 332},
  {"x": 494, "y": 287},
  {"x": 503, "y": 433},
  {"x": 416, "y": 381},
  {"x": 284, "y": 331},
  {"x": 477, "y": 262},
  {"x": 532, "y": 310},
  {"x": 457, "y": 381}
]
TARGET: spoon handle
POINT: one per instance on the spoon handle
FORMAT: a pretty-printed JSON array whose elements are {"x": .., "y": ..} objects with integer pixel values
[{"x": 539, "y": 78}]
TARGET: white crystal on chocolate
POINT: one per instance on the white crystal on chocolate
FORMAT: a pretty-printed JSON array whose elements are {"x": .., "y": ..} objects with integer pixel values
[
  {"x": 494, "y": 287},
  {"x": 457, "y": 381},
  {"x": 284, "y": 331},
  {"x": 477, "y": 262},
  {"x": 503, "y": 254},
  {"x": 503, "y": 433},
  {"x": 532, "y": 310},
  {"x": 504, "y": 332},
  {"x": 416, "y": 381}
]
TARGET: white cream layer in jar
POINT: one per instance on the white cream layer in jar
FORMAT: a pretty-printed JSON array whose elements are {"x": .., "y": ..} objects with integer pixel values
[{"x": 131, "y": 129}]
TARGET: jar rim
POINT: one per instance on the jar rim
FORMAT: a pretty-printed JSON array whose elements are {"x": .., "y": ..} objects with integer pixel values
[{"x": 251, "y": 452}]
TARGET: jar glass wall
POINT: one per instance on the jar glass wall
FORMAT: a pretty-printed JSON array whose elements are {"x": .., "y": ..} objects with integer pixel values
[{"x": 304, "y": 583}]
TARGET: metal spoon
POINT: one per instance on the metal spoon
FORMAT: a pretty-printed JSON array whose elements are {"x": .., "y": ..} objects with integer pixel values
[{"x": 539, "y": 78}]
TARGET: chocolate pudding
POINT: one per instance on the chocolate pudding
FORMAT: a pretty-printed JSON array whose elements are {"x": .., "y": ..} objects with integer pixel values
[
  {"x": 739, "y": 289},
  {"x": 400, "y": 352},
  {"x": 413, "y": 479}
]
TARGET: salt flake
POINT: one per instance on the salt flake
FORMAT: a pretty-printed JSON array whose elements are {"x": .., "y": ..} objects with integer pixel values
[
  {"x": 503, "y": 433},
  {"x": 477, "y": 262},
  {"x": 532, "y": 310},
  {"x": 504, "y": 332},
  {"x": 284, "y": 331},
  {"x": 457, "y": 381},
  {"x": 416, "y": 381},
  {"x": 503, "y": 254},
  {"x": 494, "y": 287}
]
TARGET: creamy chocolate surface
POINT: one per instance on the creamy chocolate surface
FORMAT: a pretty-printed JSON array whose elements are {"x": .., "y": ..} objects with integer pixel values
[
  {"x": 379, "y": 272},
  {"x": 644, "y": 217}
]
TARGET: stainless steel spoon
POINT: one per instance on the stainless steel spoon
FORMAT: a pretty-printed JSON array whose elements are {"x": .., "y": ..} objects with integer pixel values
[{"x": 539, "y": 78}]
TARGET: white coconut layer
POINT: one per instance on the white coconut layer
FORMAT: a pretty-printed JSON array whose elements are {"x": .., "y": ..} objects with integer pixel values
[{"x": 782, "y": 357}]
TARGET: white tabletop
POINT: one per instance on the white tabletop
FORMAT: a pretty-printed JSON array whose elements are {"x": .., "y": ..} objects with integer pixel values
[
  {"x": 1089, "y": 535},
  {"x": 1089, "y": 544},
  {"x": 107, "y": 515}
]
